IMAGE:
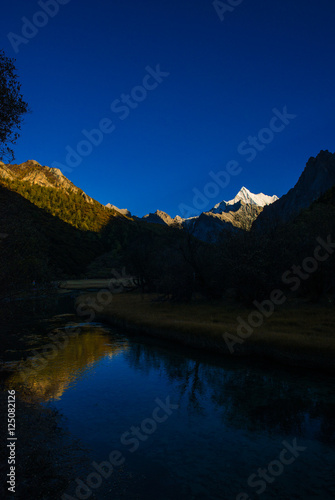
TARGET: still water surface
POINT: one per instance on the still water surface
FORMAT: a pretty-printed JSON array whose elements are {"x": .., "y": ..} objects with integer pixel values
[{"x": 188, "y": 425}]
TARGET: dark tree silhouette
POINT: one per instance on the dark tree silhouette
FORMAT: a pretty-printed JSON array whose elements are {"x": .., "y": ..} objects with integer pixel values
[{"x": 12, "y": 106}]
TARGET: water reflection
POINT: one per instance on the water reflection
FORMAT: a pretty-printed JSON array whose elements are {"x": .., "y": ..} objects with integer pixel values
[
  {"x": 232, "y": 416},
  {"x": 246, "y": 397},
  {"x": 48, "y": 378}
]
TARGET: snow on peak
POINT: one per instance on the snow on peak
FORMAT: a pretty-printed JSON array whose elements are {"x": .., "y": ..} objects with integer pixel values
[
  {"x": 259, "y": 199},
  {"x": 245, "y": 196}
]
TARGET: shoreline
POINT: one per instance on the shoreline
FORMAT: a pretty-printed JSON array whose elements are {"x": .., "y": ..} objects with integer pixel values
[{"x": 175, "y": 323}]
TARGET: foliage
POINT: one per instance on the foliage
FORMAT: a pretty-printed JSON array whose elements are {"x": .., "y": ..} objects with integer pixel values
[
  {"x": 57, "y": 233},
  {"x": 68, "y": 206},
  {"x": 12, "y": 106},
  {"x": 38, "y": 246}
]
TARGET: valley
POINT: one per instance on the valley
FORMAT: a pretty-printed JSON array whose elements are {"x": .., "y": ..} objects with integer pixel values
[
  {"x": 238, "y": 254},
  {"x": 167, "y": 250}
]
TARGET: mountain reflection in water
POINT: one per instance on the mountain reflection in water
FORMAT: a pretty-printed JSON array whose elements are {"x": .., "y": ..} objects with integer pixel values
[
  {"x": 232, "y": 418},
  {"x": 72, "y": 360}
]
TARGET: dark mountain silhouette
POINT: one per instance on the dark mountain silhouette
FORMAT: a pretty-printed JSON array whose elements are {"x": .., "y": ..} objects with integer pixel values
[
  {"x": 317, "y": 177},
  {"x": 49, "y": 230}
]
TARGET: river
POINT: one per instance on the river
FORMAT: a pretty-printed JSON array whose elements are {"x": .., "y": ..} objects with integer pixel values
[{"x": 169, "y": 423}]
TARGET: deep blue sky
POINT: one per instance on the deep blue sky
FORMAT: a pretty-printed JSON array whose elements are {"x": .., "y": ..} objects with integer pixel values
[{"x": 225, "y": 78}]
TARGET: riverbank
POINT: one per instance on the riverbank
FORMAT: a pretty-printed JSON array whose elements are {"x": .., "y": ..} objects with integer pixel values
[
  {"x": 117, "y": 284},
  {"x": 296, "y": 334}
]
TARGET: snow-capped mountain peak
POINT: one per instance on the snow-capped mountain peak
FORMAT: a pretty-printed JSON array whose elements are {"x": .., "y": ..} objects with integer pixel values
[
  {"x": 247, "y": 197},
  {"x": 259, "y": 199}
]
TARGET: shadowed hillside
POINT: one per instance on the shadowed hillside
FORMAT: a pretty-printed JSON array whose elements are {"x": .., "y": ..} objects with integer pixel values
[
  {"x": 317, "y": 177},
  {"x": 36, "y": 245},
  {"x": 51, "y": 230}
]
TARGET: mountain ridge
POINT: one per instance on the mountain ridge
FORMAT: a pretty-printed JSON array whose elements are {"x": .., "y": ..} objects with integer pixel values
[
  {"x": 123, "y": 211},
  {"x": 317, "y": 177},
  {"x": 227, "y": 217},
  {"x": 243, "y": 197},
  {"x": 245, "y": 210},
  {"x": 33, "y": 172},
  {"x": 211, "y": 253},
  {"x": 247, "y": 197}
]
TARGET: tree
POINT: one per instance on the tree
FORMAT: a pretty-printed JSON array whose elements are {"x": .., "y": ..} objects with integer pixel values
[{"x": 12, "y": 106}]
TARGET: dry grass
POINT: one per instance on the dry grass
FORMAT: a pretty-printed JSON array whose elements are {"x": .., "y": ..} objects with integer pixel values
[{"x": 300, "y": 331}]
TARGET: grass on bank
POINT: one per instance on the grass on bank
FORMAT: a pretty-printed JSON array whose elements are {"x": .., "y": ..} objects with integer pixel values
[{"x": 296, "y": 328}]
